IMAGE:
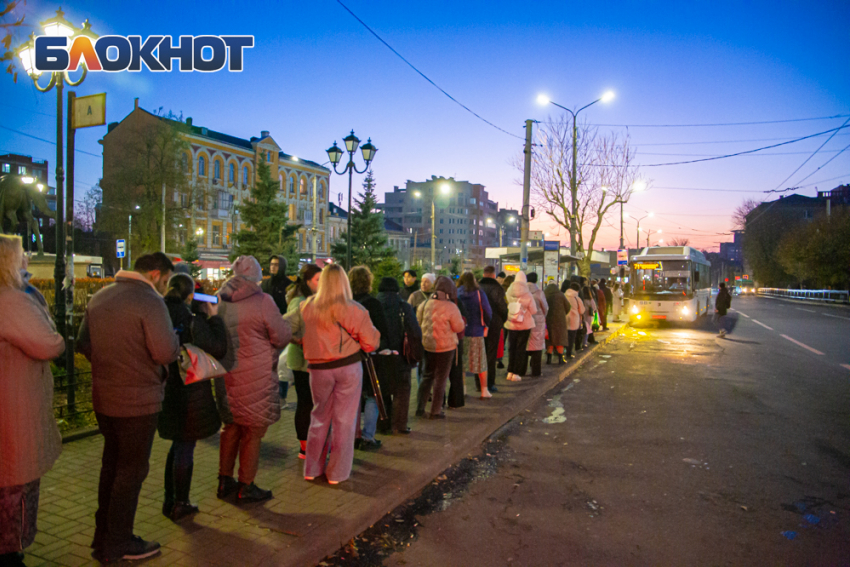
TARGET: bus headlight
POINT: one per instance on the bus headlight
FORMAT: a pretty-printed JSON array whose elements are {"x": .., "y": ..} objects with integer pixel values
[
  {"x": 635, "y": 310},
  {"x": 685, "y": 310}
]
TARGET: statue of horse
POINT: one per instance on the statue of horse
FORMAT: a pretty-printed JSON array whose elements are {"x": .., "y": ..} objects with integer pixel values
[{"x": 16, "y": 202}]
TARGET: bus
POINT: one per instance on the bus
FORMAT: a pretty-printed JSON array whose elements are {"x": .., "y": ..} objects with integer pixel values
[{"x": 670, "y": 283}]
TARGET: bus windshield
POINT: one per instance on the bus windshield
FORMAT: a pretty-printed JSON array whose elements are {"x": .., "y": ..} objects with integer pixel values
[{"x": 662, "y": 278}]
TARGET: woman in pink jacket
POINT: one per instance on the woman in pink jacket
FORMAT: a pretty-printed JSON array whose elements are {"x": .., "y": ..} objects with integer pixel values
[
  {"x": 441, "y": 322},
  {"x": 29, "y": 439},
  {"x": 575, "y": 317},
  {"x": 521, "y": 310},
  {"x": 335, "y": 329}
]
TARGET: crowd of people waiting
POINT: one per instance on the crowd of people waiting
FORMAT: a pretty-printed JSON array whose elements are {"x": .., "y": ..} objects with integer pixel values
[{"x": 325, "y": 328}]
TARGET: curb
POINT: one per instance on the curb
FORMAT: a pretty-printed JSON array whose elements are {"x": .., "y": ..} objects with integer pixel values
[{"x": 394, "y": 494}]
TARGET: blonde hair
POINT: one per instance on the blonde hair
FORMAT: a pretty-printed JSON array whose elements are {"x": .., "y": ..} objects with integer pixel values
[
  {"x": 332, "y": 297},
  {"x": 11, "y": 260}
]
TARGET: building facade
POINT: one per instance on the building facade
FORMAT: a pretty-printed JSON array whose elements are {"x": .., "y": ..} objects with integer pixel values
[
  {"x": 221, "y": 170},
  {"x": 466, "y": 221}
]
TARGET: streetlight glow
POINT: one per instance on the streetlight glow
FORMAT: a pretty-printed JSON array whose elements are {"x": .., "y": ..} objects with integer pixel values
[
  {"x": 542, "y": 99},
  {"x": 608, "y": 96},
  {"x": 417, "y": 194},
  {"x": 27, "y": 179},
  {"x": 639, "y": 185},
  {"x": 445, "y": 188}
]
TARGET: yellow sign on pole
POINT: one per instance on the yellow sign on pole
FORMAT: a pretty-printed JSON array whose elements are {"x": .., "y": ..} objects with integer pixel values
[{"x": 89, "y": 111}]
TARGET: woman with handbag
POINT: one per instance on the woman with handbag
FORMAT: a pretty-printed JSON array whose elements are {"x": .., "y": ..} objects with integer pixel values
[
  {"x": 188, "y": 412},
  {"x": 479, "y": 314},
  {"x": 335, "y": 329},
  {"x": 521, "y": 310}
]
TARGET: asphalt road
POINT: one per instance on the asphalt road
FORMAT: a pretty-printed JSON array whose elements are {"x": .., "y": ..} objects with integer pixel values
[{"x": 673, "y": 447}]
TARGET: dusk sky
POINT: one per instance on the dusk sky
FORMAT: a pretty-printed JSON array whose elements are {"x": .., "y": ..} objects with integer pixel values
[{"x": 315, "y": 73}]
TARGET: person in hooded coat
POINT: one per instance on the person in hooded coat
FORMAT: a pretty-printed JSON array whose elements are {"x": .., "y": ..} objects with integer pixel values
[
  {"x": 494, "y": 342},
  {"x": 521, "y": 310},
  {"x": 441, "y": 321},
  {"x": 556, "y": 322},
  {"x": 575, "y": 319},
  {"x": 395, "y": 382},
  {"x": 537, "y": 338},
  {"x": 251, "y": 400},
  {"x": 189, "y": 413},
  {"x": 590, "y": 309}
]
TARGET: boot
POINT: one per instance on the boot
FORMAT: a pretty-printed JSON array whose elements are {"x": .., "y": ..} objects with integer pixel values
[
  {"x": 560, "y": 358},
  {"x": 302, "y": 453},
  {"x": 227, "y": 485},
  {"x": 485, "y": 393},
  {"x": 548, "y": 358},
  {"x": 182, "y": 485},
  {"x": 168, "y": 501}
]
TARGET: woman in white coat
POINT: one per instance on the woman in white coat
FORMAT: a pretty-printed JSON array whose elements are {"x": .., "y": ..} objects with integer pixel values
[
  {"x": 575, "y": 317},
  {"x": 618, "y": 301},
  {"x": 521, "y": 310},
  {"x": 537, "y": 338}
]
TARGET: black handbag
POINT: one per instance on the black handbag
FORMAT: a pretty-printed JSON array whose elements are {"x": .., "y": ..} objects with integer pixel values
[{"x": 412, "y": 348}]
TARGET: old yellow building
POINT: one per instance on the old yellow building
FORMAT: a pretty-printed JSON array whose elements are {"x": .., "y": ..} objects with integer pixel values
[{"x": 222, "y": 168}]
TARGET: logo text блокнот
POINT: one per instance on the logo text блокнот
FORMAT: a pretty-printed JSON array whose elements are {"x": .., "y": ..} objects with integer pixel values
[{"x": 114, "y": 53}]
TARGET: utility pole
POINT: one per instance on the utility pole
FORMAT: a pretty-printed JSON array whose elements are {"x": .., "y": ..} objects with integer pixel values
[
  {"x": 574, "y": 192},
  {"x": 433, "y": 236},
  {"x": 313, "y": 228},
  {"x": 526, "y": 196},
  {"x": 162, "y": 231}
]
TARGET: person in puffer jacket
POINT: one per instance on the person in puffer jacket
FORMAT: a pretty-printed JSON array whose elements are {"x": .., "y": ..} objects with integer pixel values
[
  {"x": 521, "y": 311},
  {"x": 255, "y": 330},
  {"x": 575, "y": 318},
  {"x": 537, "y": 337},
  {"x": 441, "y": 321},
  {"x": 335, "y": 329}
]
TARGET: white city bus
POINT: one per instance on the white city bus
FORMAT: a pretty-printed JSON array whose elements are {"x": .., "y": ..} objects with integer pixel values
[{"x": 670, "y": 283}]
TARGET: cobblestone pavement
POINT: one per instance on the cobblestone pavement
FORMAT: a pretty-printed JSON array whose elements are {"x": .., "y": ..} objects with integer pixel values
[{"x": 304, "y": 521}]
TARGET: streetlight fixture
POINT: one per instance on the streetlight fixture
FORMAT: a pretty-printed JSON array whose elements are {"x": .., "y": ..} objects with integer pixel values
[
  {"x": 543, "y": 99},
  {"x": 445, "y": 189},
  {"x": 650, "y": 233},
  {"x": 335, "y": 155},
  {"x": 648, "y": 215}
]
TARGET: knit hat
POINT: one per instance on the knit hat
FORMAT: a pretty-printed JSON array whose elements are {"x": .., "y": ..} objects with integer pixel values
[
  {"x": 389, "y": 284},
  {"x": 182, "y": 268},
  {"x": 430, "y": 277},
  {"x": 248, "y": 268}
]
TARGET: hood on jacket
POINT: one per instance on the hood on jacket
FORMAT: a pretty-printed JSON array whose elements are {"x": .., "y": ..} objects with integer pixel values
[
  {"x": 448, "y": 288},
  {"x": 249, "y": 268},
  {"x": 551, "y": 289},
  {"x": 238, "y": 288},
  {"x": 390, "y": 284},
  {"x": 520, "y": 277},
  {"x": 572, "y": 293}
]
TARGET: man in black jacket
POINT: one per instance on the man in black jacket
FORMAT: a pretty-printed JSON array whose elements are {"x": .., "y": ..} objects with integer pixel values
[
  {"x": 609, "y": 302},
  {"x": 496, "y": 297},
  {"x": 277, "y": 284},
  {"x": 722, "y": 304},
  {"x": 411, "y": 284}
]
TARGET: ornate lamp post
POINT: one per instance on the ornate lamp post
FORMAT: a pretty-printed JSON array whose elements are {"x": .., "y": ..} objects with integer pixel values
[{"x": 335, "y": 154}]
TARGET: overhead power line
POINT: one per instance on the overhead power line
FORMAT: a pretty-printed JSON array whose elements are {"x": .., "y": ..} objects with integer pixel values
[
  {"x": 810, "y": 157},
  {"x": 46, "y": 141},
  {"x": 825, "y": 163},
  {"x": 724, "y": 123},
  {"x": 641, "y": 145},
  {"x": 423, "y": 75}
]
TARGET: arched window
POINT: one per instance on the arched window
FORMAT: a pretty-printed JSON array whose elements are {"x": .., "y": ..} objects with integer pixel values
[
  {"x": 217, "y": 170},
  {"x": 303, "y": 190},
  {"x": 321, "y": 191},
  {"x": 202, "y": 166},
  {"x": 185, "y": 164},
  {"x": 231, "y": 174},
  {"x": 280, "y": 180},
  {"x": 292, "y": 186},
  {"x": 245, "y": 175}
]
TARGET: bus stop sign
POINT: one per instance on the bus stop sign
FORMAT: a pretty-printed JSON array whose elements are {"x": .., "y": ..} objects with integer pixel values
[{"x": 119, "y": 248}]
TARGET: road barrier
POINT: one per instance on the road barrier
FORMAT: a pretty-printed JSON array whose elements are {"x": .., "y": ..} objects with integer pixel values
[{"x": 827, "y": 295}]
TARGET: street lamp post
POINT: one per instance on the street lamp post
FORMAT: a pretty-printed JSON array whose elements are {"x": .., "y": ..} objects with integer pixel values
[
  {"x": 335, "y": 154},
  {"x": 445, "y": 189},
  {"x": 650, "y": 233},
  {"x": 637, "y": 236},
  {"x": 542, "y": 99}
]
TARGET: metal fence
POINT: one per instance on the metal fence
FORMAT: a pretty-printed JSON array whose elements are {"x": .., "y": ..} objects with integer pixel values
[
  {"x": 72, "y": 402},
  {"x": 827, "y": 295}
]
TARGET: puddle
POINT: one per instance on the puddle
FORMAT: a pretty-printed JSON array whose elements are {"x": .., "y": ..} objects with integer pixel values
[
  {"x": 557, "y": 415},
  {"x": 398, "y": 529}
]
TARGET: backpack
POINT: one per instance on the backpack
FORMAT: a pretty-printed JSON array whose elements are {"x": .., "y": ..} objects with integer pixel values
[
  {"x": 412, "y": 349},
  {"x": 515, "y": 312}
]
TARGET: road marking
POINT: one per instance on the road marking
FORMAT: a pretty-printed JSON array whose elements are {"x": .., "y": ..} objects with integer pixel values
[
  {"x": 847, "y": 366},
  {"x": 836, "y": 316},
  {"x": 798, "y": 343},
  {"x": 806, "y": 310},
  {"x": 762, "y": 324},
  {"x": 744, "y": 314}
]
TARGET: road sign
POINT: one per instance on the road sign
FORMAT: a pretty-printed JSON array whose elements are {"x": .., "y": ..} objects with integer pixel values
[
  {"x": 551, "y": 245},
  {"x": 737, "y": 278},
  {"x": 535, "y": 235},
  {"x": 89, "y": 111},
  {"x": 119, "y": 248},
  {"x": 746, "y": 276},
  {"x": 622, "y": 257}
]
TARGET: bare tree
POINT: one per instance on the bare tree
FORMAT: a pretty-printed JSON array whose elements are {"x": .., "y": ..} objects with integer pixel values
[
  {"x": 8, "y": 26},
  {"x": 739, "y": 217},
  {"x": 605, "y": 176},
  {"x": 680, "y": 242},
  {"x": 88, "y": 207}
]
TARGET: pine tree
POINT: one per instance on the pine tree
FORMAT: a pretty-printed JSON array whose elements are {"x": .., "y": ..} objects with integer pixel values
[
  {"x": 369, "y": 238},
  {"x": 190, "y": 256},
  {"x": 269, "y": 231}
]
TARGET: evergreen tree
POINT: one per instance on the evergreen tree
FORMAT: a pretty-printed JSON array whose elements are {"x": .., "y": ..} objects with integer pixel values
[
  {"x": 269, "y": 231},
  {"x": 368, "y": 237},
  {"x": 190, "y": 256}
]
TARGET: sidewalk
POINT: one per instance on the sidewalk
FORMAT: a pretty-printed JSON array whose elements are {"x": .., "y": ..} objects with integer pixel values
[{"x": 305, "y": 521}]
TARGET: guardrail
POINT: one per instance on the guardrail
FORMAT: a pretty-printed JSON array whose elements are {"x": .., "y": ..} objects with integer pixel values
[{"x": 827, "y": 295}]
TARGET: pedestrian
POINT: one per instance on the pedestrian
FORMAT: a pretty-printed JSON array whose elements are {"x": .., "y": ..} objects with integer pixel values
[
  {"x": 500, "y": 277},
  {"x": 29, "y": 438},
  {"x": 537, "y": 338},
  {"x": 410, "y": 284},
  {"x": 441, "y": 321},
  {"x": 479, "y": 317},
  {"x": 456, "y": 397},
  {"x": 590, "y": 309},
  {"x": 304, "y": 287},
  {"x": 335, "y": 329},
  {"x": 278, "y": 283},
  {"x": 499, "y": 307},
  {"x": 360, "y": 278},
  {"x": 609, "y": 304},
  {"x": 556, "y": 323},
  {"x": 575, "y": 319},
  {"x": 276, "y": 286},
  {"x": 189, "y": 413},
  {"x": 521, "y": 309},
  {"x": 417, "y": 298},
  {"x": 722, "y": 304},
  {"x": 504, "y": 335},
  {"x": 601, "y": 305},
  {"x": 127, "y": 336},
  {"x": 617, "y": 301},
  {"x": 251, "y": 399},
  {"x": 395, "y": 382}
]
